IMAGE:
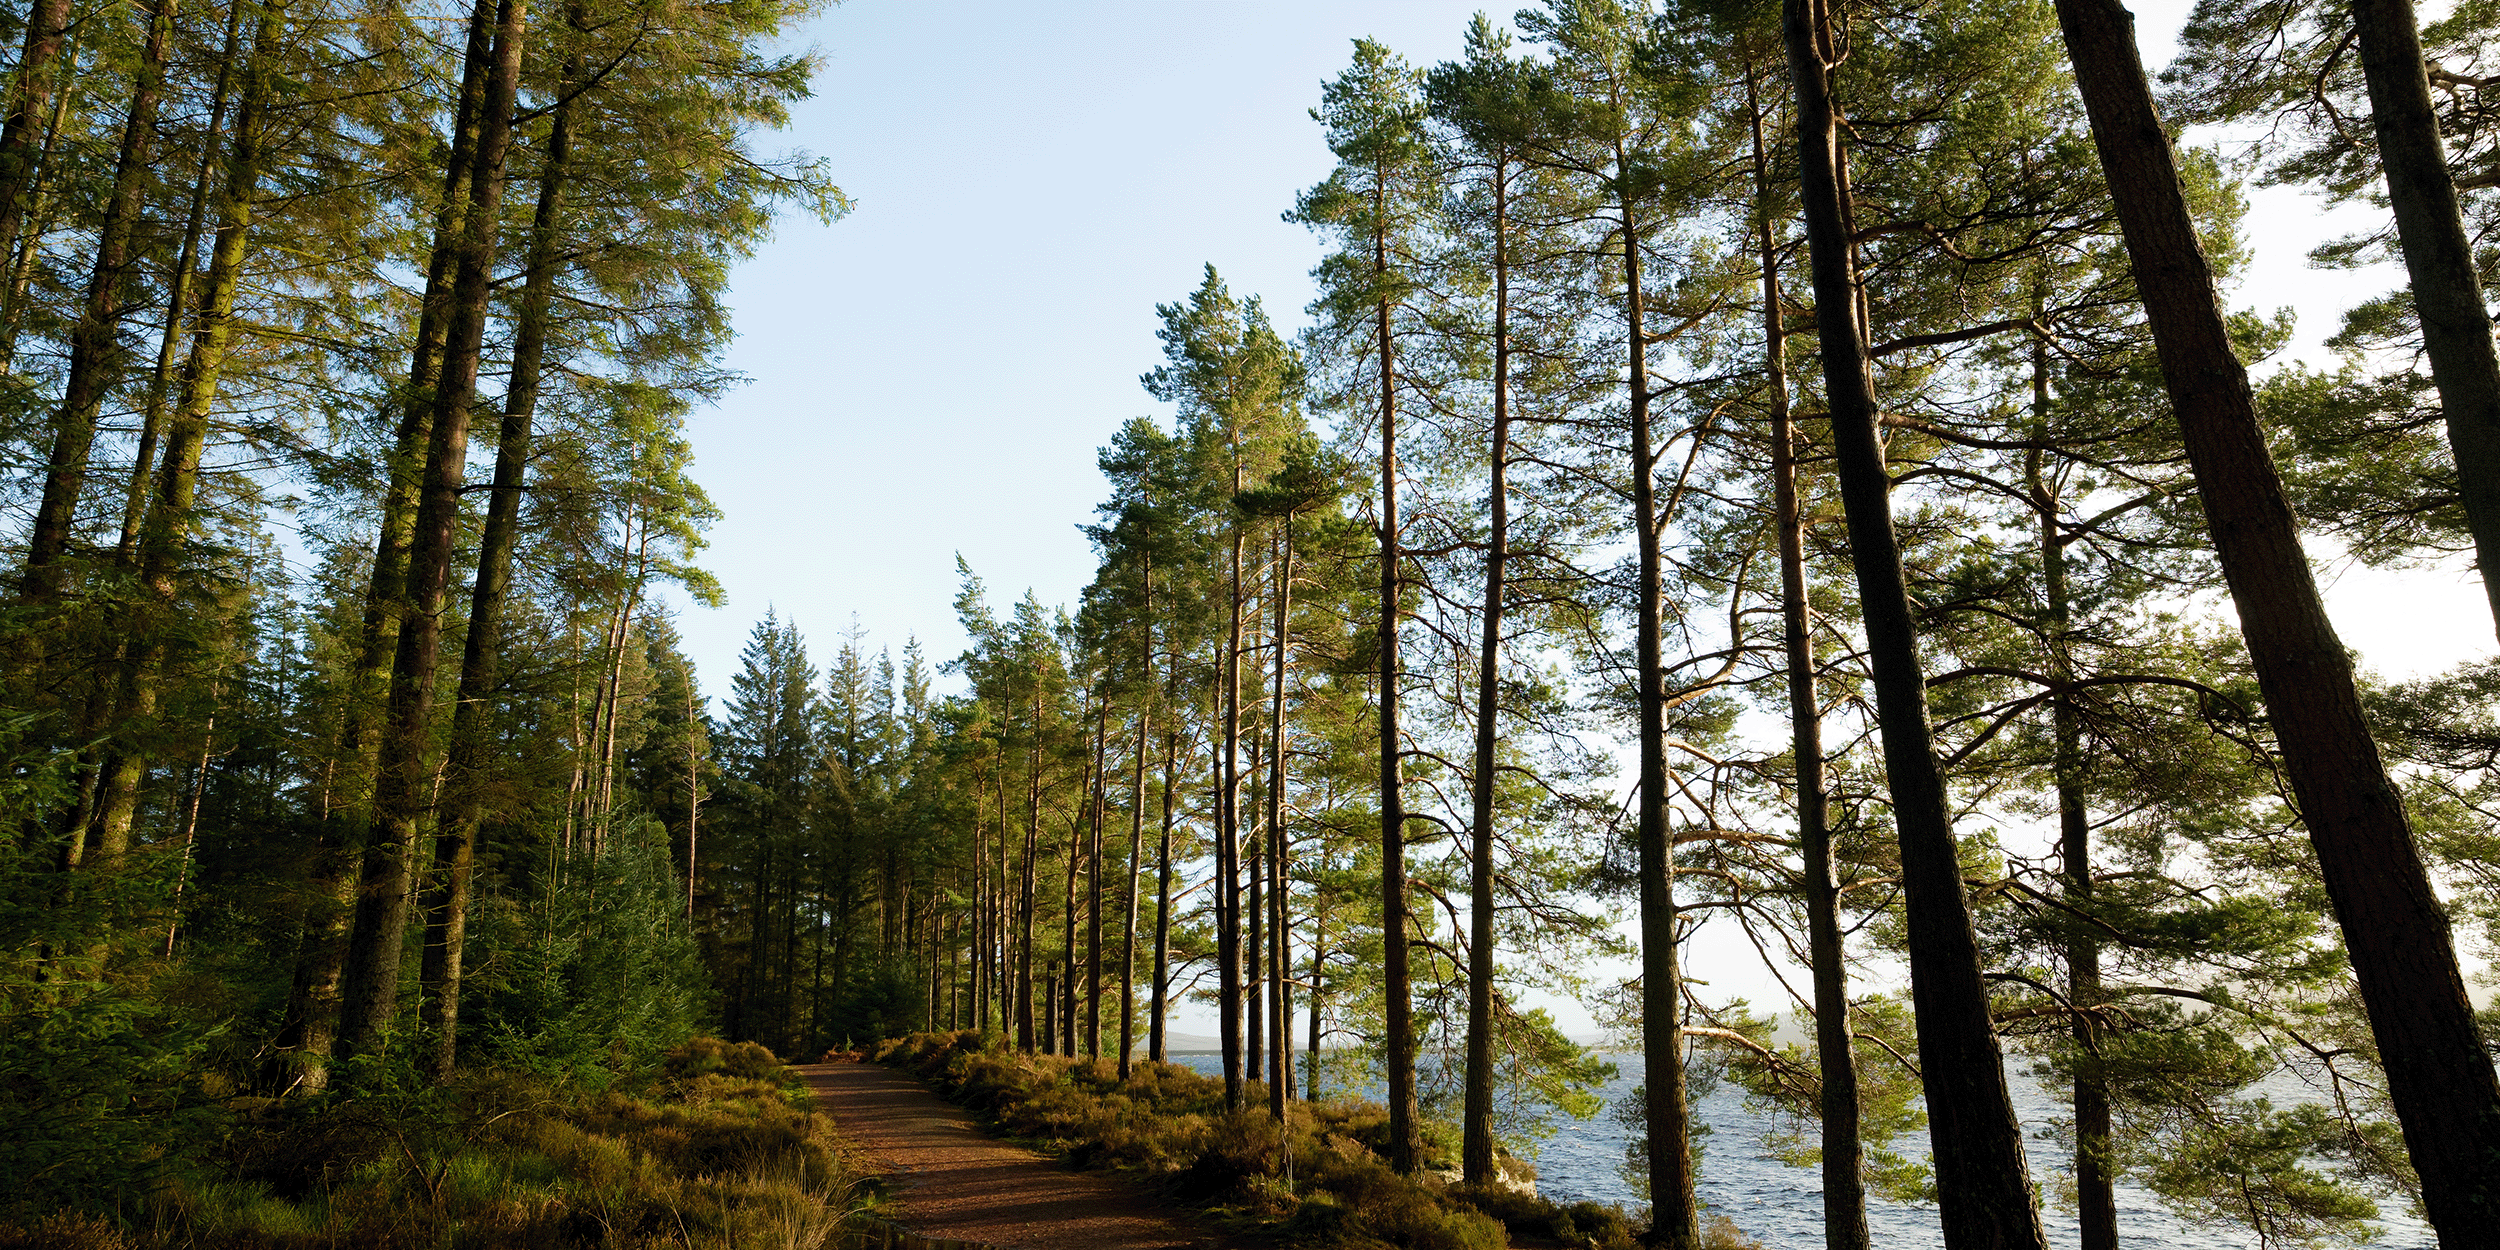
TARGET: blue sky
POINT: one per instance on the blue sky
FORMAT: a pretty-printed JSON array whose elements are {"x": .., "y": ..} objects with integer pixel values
[{"x": 933, "y": 374}]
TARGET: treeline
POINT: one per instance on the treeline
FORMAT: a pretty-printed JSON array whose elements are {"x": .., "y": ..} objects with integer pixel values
[
  {"x": 1835, "y": 406},
  {"x": 344, "y": 357}
]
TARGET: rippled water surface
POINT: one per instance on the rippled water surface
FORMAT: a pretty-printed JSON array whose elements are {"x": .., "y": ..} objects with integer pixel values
[{"x": 1783, "y": 1206}]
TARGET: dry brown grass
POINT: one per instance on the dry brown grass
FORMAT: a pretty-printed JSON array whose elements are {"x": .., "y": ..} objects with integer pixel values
[{"x": 724, "y": 1153}]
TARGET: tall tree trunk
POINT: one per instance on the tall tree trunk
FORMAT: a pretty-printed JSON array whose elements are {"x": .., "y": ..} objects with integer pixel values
[
  {"x": 314, "y": 998},
  {"x": 401, "y": 796},
  {"x": 1128, "y": 913},
  {"x": 1674, "y": 1213},
  {"x": 446, "y": 903},
  {"x": 1137, "y": 818},
  {"x": 1067, "y": 907},
  {"x": 47, "y": 29},
  {"x": 2096, "y": 1195},
  {"x": 1405, "y": 1134},
  {"x": 94, "y": 339},
  {"x": 171, "y": 521},
  {"x": 2439, "y": 1076},
  {"x": 1161, "y": 968},
  {"x": 1844, "y": 1147},
  {"x": 1023, "y": 986},
  {"x": 1983, "y": 1179},
  {"x": 1093, "y": 882},
  {"x": 1228, "y": 820},
  {"x": 1279, "y": 939},
  {"x": 1253, "y": 900},
  {"x": 1476, "y": 1162},
  {"x": 2439, "y": 261}
]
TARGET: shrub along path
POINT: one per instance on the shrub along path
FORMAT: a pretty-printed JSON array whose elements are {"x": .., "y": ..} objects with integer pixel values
[{"x": 957, "y": 1182}]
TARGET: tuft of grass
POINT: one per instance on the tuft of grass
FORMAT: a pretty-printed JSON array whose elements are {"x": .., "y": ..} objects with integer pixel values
[{"x": 1318, "y": 1179}]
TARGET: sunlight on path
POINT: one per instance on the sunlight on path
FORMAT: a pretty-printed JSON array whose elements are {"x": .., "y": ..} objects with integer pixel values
[{"x": 956, "y": 1182}]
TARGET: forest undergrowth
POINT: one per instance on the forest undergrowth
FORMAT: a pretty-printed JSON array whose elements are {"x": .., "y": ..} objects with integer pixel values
[
  {"x": 1320, "y": 1182},
  {"x": 718, "y": 1148}
]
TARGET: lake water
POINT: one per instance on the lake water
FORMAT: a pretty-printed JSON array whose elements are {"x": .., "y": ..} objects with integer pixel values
[{"x": 1782, "y": 1206}]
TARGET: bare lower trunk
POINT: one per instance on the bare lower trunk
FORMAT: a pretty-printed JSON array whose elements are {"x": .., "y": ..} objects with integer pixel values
[
  {"x": 1476, "y": 1163},
  {"x": 446, "y": 904},
  {"x": 402, "y": 797},
  {"x": 2439, "y": 1075},
  {"x": 1982, "y": 1176}
]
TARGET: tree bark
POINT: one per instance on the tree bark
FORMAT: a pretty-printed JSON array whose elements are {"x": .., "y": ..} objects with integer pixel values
[
  {"x": 1476, "y": 1162},
  {"x": 1675, "y": 1220},
  {"x": 1405, "y": 1133},
  {"x": 47, "y": 30},
  {"x": 171, "y": 521},
  {"x": 2439, "y": 261},
  {"x": 1983, "y": 1179},
  {"x": 446, "y": 904},
  {"x": 1279, "y": 939},
  {"x": 94, "y": 340},
  {"x": 402, "y": 797},
  {"x": 2438, "y": 1074},
  {"x": 1844, "y": 1147}
]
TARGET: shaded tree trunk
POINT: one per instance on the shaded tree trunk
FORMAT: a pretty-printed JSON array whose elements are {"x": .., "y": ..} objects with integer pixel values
[
  {"x": 1844, "y": 1148},
  {"x": 446, "y": 904},
  {"x": 2439, "y": 1076},
  {"x": 402, "y": 798},
  {"x": 1983, "y": 1179},
  {"x": 2439, "y": 261}
]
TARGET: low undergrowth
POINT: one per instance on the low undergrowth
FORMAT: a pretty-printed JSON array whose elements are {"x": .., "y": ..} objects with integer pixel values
[
  {"x": 1318, "y": 1180},
  {"x": 720, "y": 1150}
]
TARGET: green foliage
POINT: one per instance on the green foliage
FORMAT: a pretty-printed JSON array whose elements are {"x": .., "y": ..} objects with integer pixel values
[
  {"x": 100, "y": 1085},
  {"x": 599, "y": 979}
]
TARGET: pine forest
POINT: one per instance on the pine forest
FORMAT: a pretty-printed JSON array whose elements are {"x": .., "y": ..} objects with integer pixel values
[{"x": 1795, "y": 475}]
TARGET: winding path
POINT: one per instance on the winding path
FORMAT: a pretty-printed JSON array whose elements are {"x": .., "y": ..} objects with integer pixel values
[{"x": 954, "y": 1181}]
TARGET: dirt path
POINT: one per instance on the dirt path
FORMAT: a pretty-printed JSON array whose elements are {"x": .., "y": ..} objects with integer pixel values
[{"x": 955, "y": 1181}]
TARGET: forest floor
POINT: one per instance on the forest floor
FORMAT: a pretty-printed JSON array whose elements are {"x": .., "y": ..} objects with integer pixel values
[{"x": 954, "y": 1181}]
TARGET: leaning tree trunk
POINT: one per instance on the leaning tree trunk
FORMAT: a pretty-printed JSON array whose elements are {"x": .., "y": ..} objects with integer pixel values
[
  {"x": 446, "y": 904},
  {"x": 2439, "y": 1076},
  {"x": 1844, "y": 1146},
  {"x": 171, "y": 520},
  {"x": 310, "y": 1027},
  {"x": 1983, "y": 1179},
  {"x": 47, "y": 30},
  {"x": 2439, "y": 261},
  {"x": 401, "y": 794},
  {"x": 94, "y": 340}
]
